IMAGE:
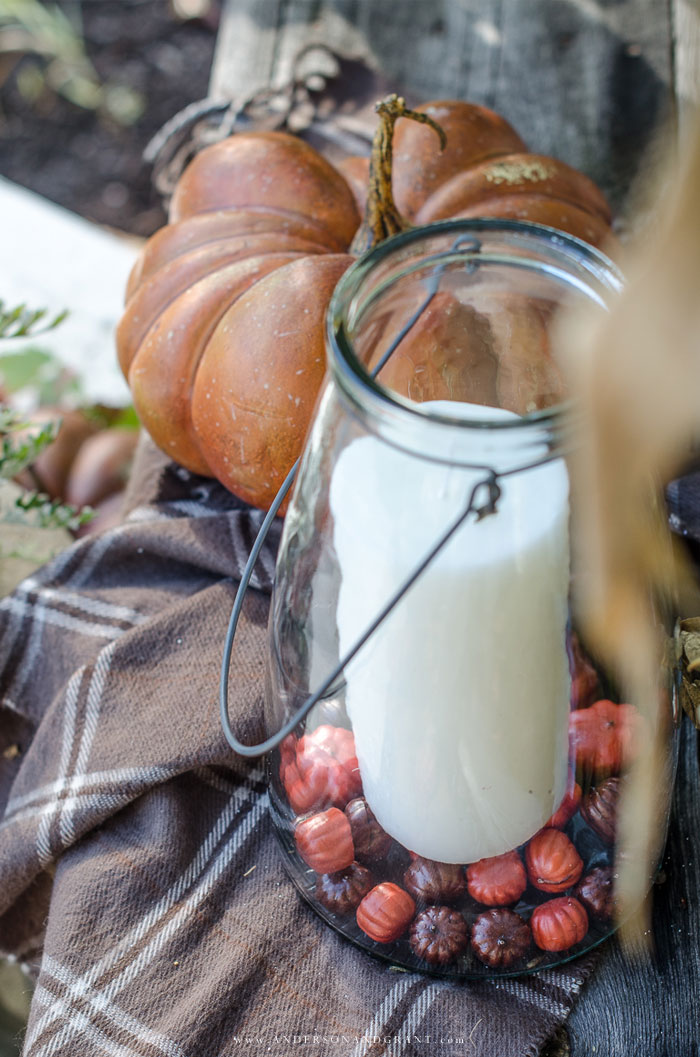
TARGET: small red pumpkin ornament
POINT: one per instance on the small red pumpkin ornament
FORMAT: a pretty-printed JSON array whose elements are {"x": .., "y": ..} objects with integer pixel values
[
  {"x": 385, "y": 912},
  {"x": 559, "y": 924},
  {"x": 322, "y": 771},
  {"x": 604, "y": 738},
  {"x": 324, "y": 841},
  {"x": 498, "y": 881},
  {"x": 553, "y": 864}
]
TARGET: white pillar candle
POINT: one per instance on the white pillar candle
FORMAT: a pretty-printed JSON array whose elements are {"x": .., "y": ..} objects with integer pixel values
[{"x": 460, "y": 701}]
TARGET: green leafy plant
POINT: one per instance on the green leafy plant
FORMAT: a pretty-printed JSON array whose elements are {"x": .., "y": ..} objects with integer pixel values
[
  {"x": 21, "y": 441},
  {"x": 20, "y": 444},
  {"x": 17, "y": 454},
  {"x": 59, "y": 61},
  {"x": 23, "y": 322}
]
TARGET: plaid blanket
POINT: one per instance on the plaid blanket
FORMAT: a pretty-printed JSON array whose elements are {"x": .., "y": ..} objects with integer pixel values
[{"x": 139, "y": 877}]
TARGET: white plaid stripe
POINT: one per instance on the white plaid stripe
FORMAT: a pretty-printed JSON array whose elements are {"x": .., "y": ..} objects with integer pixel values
[
  {"x": 192, "y": 509},
  {"x": 103, "y": 1043},
  {"x": 9, "y": 637},
  {"x": 43, "y": 837},
  {"x": 99, "y": 803},
  {"x": 264, "y": 571},
  {"x": 145, "y": 513},
  {"x": 135, "y": 776},
  {"x": 119, "y": 1017},
  {"x": 94, "y": 606},
  {"x": 137, "y": 780},
  {"x": 49, "y": 572},
  {"x": 174, "y": 509},
  {"x": 40, "y": 614},
  {"x": 189, "y": 878},
  {"x": 97, "y": 685},
  {"x": 209, "y": 881},
  {"x": 410, "y": 1022},
  {"x": 63, "y": 808},
  {"x": 391, "y": 1001},
  {"x": 525, "y": 992},
  {"x": 33, "y": 646},
  {"x": 562, "y": 979},
  {"x": 93, "y": 555},
  {"x": 268, "y": 563},
  {"x": 226, "y": 785},
  {"x": 19, "y": 609},
  {"x": 240, "y": 551},
  {"x": 92, "y": 711}
]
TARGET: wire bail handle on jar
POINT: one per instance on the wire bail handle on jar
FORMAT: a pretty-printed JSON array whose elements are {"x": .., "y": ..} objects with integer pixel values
[{"x": 482, "y": 501}]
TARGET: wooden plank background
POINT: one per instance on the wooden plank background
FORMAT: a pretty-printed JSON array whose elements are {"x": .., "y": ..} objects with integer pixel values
[{"x": 585, "y": 80}]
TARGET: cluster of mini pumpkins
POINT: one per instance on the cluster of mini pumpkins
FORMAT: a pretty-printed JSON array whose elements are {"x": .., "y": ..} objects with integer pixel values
[
  {"x": 539, "y": 898},
  {"x": 222, "y": 337}
]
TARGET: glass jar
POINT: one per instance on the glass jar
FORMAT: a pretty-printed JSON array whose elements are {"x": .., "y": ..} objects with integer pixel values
[{"x": 449, "y": 801}]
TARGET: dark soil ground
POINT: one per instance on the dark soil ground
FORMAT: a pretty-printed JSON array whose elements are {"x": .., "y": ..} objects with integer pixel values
[{"x": 82, "y": 158}]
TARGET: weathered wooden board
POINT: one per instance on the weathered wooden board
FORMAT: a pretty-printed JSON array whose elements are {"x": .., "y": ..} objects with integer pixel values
[
  {"x": 686, "y": 56},
  {"x": 585, "y": 80}
]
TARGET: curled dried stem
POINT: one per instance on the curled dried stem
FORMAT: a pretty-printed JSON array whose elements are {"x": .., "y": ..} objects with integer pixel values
[{"x": 382, "y": 218}]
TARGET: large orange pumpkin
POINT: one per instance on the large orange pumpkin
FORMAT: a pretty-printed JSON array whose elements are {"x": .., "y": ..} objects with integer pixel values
[{"x": 222, "y": 338}]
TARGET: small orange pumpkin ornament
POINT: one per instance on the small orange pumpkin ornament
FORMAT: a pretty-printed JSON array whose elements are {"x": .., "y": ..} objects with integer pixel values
[
  {"x": 324, "y": 841},
  {"x": 222, "y": 337},
  {"x": 553, "y": 864},
  {"x": 497, "y": 881},
  {"x": 322, "y": 770},
  {"x": 385, "y": 912},
  {"x": 559, "y": 923},
  {"x": 605, "y": 738}
]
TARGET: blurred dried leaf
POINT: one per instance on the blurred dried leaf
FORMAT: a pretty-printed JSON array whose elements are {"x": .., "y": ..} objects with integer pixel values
[{"x": 636, "y": 370}]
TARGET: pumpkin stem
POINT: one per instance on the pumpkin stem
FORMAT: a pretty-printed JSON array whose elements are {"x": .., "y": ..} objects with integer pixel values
[{"x": 382, "y": 218}]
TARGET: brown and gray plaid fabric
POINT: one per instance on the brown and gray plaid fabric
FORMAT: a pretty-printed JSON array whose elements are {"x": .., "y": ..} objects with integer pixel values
[{"x": 139, "y": 876}]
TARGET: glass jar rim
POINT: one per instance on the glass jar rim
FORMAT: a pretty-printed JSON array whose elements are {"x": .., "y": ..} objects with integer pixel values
[{"x": 359, "y": 384}]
